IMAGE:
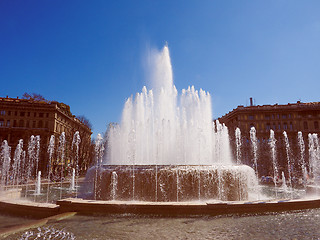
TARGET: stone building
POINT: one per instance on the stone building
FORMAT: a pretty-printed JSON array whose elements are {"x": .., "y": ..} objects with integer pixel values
[
  {"x": 21, "y": 118},
  {"x": 291, "y": 118}
]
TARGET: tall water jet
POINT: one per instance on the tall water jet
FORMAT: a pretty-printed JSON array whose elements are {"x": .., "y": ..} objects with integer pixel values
[
  {"x": 314, "y": 157},
  {"x": 238, "y": 144},
  {"x": 5, "y": 159},
  {"x": 38, "y": 184},
  {"x": 114, "y": 185},
  {"x": 99, "y": 151},
  {"x": 72, "y": 183},
  {"x": 61, "y": 148},
  {"x": 33, "y": 158},
  {"x": 75, "y": 143},
  {"x": 17, "y": 163},
  {"x": 50, "y": 152},
  {"x": 37, "y": 153},
  {"x": 272, "y": 144},
  {"x": 284, "y": 184},
  {"x": 158, "y": 127},
  {"x": 288, "y": 159},
  {"x": 254, "y": 142},
  {"x": 302, "y": 159}
]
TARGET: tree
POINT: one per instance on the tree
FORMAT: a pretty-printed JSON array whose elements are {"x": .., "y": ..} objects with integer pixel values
[
  {"x": 35, "y": 97},
  {"x": 85, "y": 121}
]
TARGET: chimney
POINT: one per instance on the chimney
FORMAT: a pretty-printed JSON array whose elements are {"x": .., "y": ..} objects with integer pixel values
[{"x": 251, "y": 102}]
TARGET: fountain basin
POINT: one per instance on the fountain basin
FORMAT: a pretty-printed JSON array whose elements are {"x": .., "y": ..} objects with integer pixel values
[
  {"x": 212, "y": 208},
  {"x": 169, "y": 183}
]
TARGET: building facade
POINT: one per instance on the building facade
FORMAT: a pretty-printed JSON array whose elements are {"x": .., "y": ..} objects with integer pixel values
[
  {"x": 290, "y": 118},
  {"x": 22, "y": 118}
]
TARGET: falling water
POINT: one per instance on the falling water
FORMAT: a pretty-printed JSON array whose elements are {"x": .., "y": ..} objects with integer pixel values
[
  {"x": 254, "y": 142},
  {"x": 99, "y": 150},
  {"x": 314, "y": 156},
  {"x": 317, "y": 153},
  {"x": 38, "y": 185},
  {"x": 33, "y": 158},
  {"x": 288, "y": 159},
  {"x": 272, "y": 144},
  {"x": 76, "y": 142},
  {"x": 50, "y": 152},
  {"x": 62, "y": 142},
  {"x": 238, "y": 144},
  {"x": 302, "y": 160},
  {"x": 22, "y": 165},
  {"x": 37, "y": 151},
  {"x": 284, "y": 185},
  {"x": 6, "y": 160},
  {"x": 114, "y": 185},
  {"x": 17, "y": 163},
  {"x": 72, "y": 184}
]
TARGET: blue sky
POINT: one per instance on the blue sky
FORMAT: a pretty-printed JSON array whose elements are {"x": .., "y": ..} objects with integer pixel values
[{"x": 89, "y": 54}]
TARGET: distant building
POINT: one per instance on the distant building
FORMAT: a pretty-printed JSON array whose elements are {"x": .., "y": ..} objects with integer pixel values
[
  {"x": 292, "y": 118},
  {"x": 21, "y": 118}
]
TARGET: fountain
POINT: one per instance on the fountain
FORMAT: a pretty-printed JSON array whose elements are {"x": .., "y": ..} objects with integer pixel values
[{"x": 167, "y": 148}]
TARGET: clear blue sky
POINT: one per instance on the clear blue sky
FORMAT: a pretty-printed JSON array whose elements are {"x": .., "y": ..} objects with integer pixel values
[{"x": 89, "y": 54}]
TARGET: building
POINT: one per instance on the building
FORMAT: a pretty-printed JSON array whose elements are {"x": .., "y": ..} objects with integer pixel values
[
  {"x": 291, "y": 118},
  {"x": 21, "y": 118}
]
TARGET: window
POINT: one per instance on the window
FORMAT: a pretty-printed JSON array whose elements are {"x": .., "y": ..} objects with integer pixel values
[
  {"x": 22, "y": 114},
  {"x": 285, "y": 126},
  {"x": 289, "y": 116},
  {"x": 267, "y": 117},
  {"x": 316, "y": 125},
  {"x": 284, "y": 116},
  {"x": 305, "y": 125},
  {"x": 268, "y": 127},
  {"x": 27, "y": 124},
  {"x": 9, "y": 113},
  {"x": 14, "y": 123},
  {"x": 1, "y": 123},
  {"x": 251, "y": 117},
  {"x": 47, "y": 115},
  {"x": 28, "y": 114},
  {"x": 21, "y": 123},
  {"x": 34, "y": 124},
  {"x": 291, "y": 126},
  {"x": 40, "y": 124},
  {"x": 46, "y": 124},
  {"x": 8, "y": 123},
  {"x": 2, "y": 112},
  {"x": 278, "y": 116},
  {"x": 41, "y": 115},
  {"x": 34, "y": 114},
  {"x": 272, "y": 116},
  {"x": 16, "y": 113},
  {"x": 279, "y": 126}
]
